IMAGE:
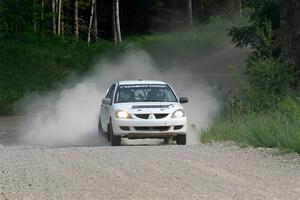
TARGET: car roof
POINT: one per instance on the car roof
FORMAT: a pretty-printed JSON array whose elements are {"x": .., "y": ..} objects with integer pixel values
[{"x": 132, "y": 82}]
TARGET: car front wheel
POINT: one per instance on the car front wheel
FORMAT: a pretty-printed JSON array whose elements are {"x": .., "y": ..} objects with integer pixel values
[
  {"x": 100, "y": 130},
  {"x": 114, "y": 140},
  {"x": 181, "y": 139}
]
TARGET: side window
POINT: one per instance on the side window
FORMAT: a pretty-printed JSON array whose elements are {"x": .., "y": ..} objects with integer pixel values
[
  {"x": 110, "y": 92},
  {"x": 111, "y": 95}
]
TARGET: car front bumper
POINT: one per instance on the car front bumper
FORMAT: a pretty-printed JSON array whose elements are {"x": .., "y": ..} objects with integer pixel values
[{"x": 149, "y": 128}]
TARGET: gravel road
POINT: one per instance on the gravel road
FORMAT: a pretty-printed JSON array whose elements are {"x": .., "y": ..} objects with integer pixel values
[{"x": 212, "y": 171}]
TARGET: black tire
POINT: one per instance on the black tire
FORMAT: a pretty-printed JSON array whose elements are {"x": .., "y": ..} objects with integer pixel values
[
  {"x": 108, "y": 134},
  {"x": 114, "y": 140},
  {"x": 100, "y": 130},
  {"x": 181, "y": 139},
  {"x": 167, "y": 140}
]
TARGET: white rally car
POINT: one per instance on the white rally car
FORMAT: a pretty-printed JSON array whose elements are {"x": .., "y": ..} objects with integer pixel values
[{"x": 142, "y": 109}]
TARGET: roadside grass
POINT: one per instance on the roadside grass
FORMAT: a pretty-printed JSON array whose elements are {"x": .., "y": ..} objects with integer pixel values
[
  {"x": 270, "y": 129},
  {"x": 263, "y": 111},
  {"x": 35, "y": 63}
]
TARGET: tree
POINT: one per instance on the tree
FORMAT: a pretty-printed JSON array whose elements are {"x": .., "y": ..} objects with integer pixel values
[
  {"x": 53, "y": 6},
  {"x": 95, "y": 28},
  {"x": 59, "y": 17},
  {"x": 34, "y": 16},
  {"x": 260, "y": 34},
  {"x": 62, "y": 23},
  {"x": 190, "y": 12},
  {"x": 43, "y": 8},
  {"x": 91, "y": 21},
  {"x": 118, "y": 22},
  {"x": 273, "y": 33},
  {"x": 117, "y": 37},
  {"x": 16, "y": 17},
  {"x": 240, "y": 7},
  {"x": 290, "y": 32},
  {"x": 76, "y": 20}
]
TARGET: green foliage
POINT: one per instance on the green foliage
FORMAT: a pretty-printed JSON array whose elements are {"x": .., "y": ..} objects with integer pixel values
[
  {"x": 289, "y": 33},
  {"x": 261, "y": 32},
  {"x": 35, "y": 63},
  {"x": 16, "y": 17},
  {"x": 280, "y": 129},
  {"x": 265, "y": 84},
  {"x": 268, "y": 81},
  {"x": 268, "y": 77},
  {"x": 262, "y": 112}
]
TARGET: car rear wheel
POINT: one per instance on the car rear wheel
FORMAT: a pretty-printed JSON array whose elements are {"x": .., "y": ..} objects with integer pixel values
[
  {"x": 114, "y": 140},
  {"x": 181, "y": 139}
]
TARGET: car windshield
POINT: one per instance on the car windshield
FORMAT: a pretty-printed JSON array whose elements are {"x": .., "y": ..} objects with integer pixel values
[{"x": 145, "y": 93}]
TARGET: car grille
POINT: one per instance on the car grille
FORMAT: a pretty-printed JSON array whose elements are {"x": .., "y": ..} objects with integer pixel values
[
  {"x": 178, "y": 127},
  {"x": 152, "y": 128},
  {"x": 142, "y": 116},
  {"x": 160, "y": 116},
  {"x": 125, "y": 128},
  {"x": 146, "y": 116}
]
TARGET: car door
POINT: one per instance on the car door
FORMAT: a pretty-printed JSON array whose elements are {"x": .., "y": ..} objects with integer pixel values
[{"x": 105, "y": 107}]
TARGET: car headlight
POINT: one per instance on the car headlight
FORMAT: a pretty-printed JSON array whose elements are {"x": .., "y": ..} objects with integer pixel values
[
  {"x": 178, "y": 114},
  {"x": 122, "y": 114}
]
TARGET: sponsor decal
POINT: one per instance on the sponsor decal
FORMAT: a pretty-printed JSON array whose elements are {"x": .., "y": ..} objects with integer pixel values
[{"x": 143, "y": 86}]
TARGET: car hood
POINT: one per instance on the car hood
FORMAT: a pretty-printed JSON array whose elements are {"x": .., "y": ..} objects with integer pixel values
[{"x": 148, "y": 107}]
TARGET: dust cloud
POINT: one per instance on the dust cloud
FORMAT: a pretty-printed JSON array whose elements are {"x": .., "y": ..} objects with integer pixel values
[{"x": 69, "y": 115}]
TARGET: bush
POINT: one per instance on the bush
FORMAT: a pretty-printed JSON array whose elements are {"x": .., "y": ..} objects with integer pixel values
[
  {"x": 263, "y": 113},
  {"x": 271, "y": 129},
  {"x": 266, "y": 83}
]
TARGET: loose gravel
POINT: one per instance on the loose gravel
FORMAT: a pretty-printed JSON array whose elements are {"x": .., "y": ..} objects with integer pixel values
[{"x": 212, "y": 171}]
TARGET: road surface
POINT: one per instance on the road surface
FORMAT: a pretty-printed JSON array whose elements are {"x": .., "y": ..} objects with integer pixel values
[{"x": 212, "y": 171}]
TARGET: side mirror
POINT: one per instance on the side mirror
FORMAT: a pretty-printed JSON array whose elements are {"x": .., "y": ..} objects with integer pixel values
[
  {"x": 183, "y": 100},
  {"x": 106, "y": 101}
]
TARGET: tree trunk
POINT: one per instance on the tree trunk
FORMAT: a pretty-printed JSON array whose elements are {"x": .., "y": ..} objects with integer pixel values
[
  {"x": 34, "y": 16},
  {"x": 95, "y": 28},
  {"x": 115, "y": 36},
  {"x": 42, "y": 25},
  {"x": 76, "y": 21},
  {"x": 240, "y": 7},
  {"x": 54, "y": 16},
  {"x": 290, "y": 34},
  {"x": 190, "y": 12},
  {"x": 118, "y": 26},
  {"x": 59, "y": 18},
  {"x": 62, "y": 29},
  {"x": 91, "y": 22},
  {"x": 202, "y": 11},
  {"x": 42, "y": 14}
]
